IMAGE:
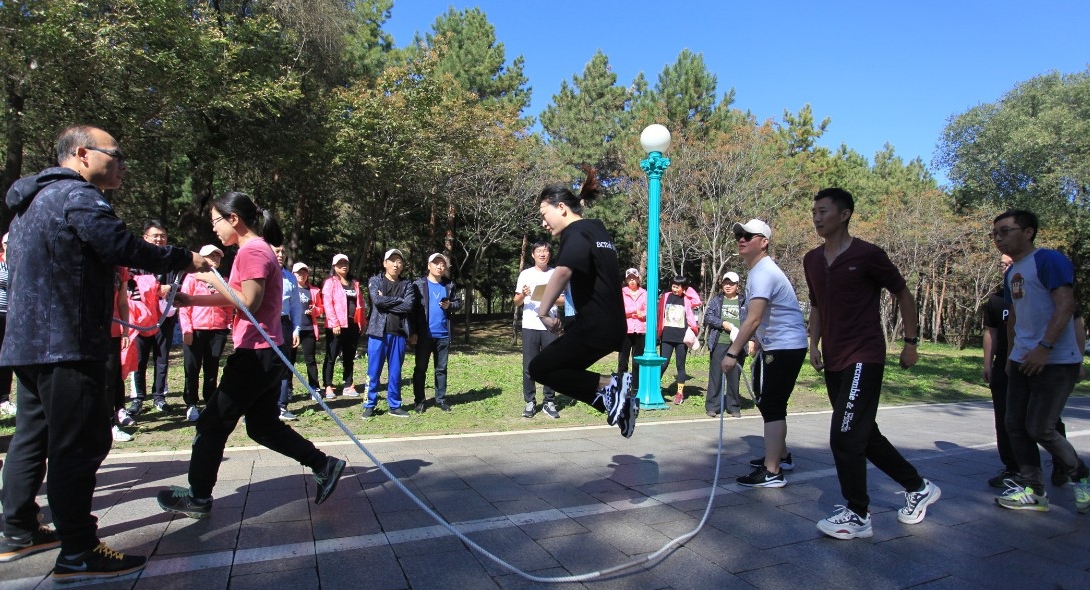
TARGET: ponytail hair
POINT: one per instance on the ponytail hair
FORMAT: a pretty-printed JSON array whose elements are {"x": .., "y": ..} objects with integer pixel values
[
  {"x": 557, "y": 193},
  {"x": 259, "y": 220}
]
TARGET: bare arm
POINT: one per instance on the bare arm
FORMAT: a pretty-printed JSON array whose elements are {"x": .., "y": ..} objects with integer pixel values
[
  {"x": 755, "y": 309},
  {"x": 989, "y": 352},
  {"x": 553, "y": 290},
  {"x": 815, "y": 339},
  {"x": 1063, "y": 301},
  {"x": 911, "y": 327}
]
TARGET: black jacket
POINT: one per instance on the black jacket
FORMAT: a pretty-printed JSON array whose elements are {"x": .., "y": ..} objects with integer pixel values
[
  {"x": 63, "y": 247},
  {"x": 418, "y": 320}
]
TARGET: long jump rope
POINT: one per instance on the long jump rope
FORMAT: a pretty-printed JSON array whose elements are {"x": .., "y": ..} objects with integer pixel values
[{"x": 316, "y": 396}]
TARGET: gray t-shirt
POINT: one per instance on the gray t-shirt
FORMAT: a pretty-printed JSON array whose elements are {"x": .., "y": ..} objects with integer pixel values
[{"x": 782, "y": 326}]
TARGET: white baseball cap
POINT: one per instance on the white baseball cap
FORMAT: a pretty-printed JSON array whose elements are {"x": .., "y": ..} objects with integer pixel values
[
  {"x": 731, "y": 276},
  {"x": 298, "y": 266},
  {"x": 391, "y": 252},
  {"x": 438, "y": 255},
  {"x": 754, "y": 226},
  {"x": 632, "y": 272},
  {"x": 338, "y": 258},
  {"x": 209, "y": 249}
]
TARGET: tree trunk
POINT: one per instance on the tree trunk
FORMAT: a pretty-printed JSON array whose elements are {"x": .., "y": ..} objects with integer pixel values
[{"x": 13, "y": 158}]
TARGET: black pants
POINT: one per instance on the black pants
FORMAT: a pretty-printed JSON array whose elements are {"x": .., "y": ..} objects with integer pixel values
[
  {"x": 249, "y": 387},
  {"x": 733, "y": 401},
  {"x": 668, "y": 349},
  {"x": 5, "y": 372},
  {"x": 158, "y": 346},
  {"x": 533, "y": 343},
  {"x": 631, "y": 347},
  {"x": 343, "y": 346},
  {"x": 64, "y": 421},
  {"x": 998, "y": 387},
  {"x": 115, "y": 384},
  {"x": 854, "y": 436},
  {"x": 203, "y": 356},
  {"x": 562, "y": 366},
  {"x": 290, "y": 352},
  {"x": 427, "y": 350},
  {"x": 309, "y": 343}
]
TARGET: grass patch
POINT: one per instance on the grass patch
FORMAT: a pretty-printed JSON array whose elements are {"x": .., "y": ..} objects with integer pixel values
[{"x": 484, "y": 386}]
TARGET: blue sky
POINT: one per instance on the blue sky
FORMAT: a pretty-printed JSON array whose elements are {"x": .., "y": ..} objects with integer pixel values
[{"x": 882, "y": 71}]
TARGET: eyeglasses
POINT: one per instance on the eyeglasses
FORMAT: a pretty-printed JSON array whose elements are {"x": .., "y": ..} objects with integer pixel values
[
  {"x": 1003, "y": 231},
  {"x": 114, "y": 153},
  {"x": 156, "y": 237},
  {"x": 746, "y": 236},
  {"x": 216, "y": 220}
]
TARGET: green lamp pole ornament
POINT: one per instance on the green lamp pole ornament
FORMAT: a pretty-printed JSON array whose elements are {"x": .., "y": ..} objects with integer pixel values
[{"x": 655, "y": 139}]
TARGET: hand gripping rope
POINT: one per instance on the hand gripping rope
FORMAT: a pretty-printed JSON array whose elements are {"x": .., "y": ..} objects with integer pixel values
[{"x": 316, "y": 395}]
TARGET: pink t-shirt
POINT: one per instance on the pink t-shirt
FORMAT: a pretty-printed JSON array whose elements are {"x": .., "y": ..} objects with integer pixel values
[{"x": 256, "y": 260}]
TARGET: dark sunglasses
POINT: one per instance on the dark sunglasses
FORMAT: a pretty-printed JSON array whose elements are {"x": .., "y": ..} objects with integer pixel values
[
  {"x": 745, "y": 236},
  {"x": 112, "y": 153}
]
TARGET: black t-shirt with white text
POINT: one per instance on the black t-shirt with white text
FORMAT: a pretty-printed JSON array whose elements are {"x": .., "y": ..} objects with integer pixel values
[{"x": 587, "y": 249}]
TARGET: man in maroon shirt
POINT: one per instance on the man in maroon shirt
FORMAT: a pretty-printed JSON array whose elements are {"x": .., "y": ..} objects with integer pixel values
[{"x": 845, "y": 277}]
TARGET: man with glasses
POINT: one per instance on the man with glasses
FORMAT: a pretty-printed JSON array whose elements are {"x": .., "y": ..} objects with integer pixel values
[
  {"x": 772, "y": 314},
  {"x": 65, "y": 243},
  {"x": 845, "y": 277},
  {"x": 528, "y": 290},
  {"x": 1043, "y": 361},
  {"x": 157, "y": 345}
]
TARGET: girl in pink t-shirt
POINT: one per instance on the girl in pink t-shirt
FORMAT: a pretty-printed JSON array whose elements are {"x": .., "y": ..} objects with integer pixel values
[{"x": 250, "y": 385}]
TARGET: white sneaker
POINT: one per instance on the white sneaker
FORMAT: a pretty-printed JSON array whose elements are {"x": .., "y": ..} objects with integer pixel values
[
  {"x": 916, "y": 503},
  {"x": 846, "y": 525},
  {"x": 192, "y": 414},
  {"x": 121, "y": 435},
  {"x": 7, "y": 408},
  {"x": 350, "y": 391}
]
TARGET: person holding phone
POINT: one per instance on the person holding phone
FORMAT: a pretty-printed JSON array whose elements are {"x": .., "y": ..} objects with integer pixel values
[{"x": 434, "y": 301}]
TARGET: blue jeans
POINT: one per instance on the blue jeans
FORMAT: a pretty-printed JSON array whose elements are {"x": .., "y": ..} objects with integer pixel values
[
  {"x": 428, "y": 348},
  {"x": 1034, "y": 404},
  {"x": 391, "y": 350}
]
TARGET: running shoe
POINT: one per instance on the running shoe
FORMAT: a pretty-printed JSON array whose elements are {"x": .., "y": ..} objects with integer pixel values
[
  {"x": 180, "y": 500},
  {"x": 626, "y": 421},
  {"x": 1018, "y": 497},
  {"x": 100, "y": 562},
  {"x": 846, "y": 525},
  {"x": 327, "y": 478},
  {"x": 120, "y": 435},
  {"x": 762, "y": 478},
  {"x": 1082, "y": 495},
  {"x": 18, "y": 547},
  {"x": 550, "y": 409},
  {"x": 916, "y": 503}
]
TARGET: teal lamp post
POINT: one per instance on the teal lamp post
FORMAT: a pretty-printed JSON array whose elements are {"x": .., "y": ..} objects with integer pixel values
[{"x": 655, "y": 140}]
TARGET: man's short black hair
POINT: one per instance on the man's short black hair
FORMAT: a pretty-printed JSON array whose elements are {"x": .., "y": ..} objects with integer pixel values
[
  {"x": 1022, "y": 217},
  {"x": 154, "y": 223},
  {"x": 541, "y": 244},
  {"x": 840, "y": 197}
]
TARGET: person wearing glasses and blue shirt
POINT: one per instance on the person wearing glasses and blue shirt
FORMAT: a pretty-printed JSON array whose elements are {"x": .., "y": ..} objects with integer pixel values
[{"x": 1043, "y": 363}]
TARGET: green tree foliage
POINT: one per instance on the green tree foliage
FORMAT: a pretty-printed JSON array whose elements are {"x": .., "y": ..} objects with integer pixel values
[
  {"x": 476, "y": 60},
  {"x": 585, "y": 119},
  {"x": 683, "y": 99}
]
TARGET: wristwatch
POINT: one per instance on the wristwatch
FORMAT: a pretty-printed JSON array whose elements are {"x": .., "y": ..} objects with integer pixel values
[{"x": 915, "y": 340}]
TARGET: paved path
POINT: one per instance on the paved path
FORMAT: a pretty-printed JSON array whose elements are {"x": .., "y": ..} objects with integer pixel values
[{"x": 571, "y": 501}]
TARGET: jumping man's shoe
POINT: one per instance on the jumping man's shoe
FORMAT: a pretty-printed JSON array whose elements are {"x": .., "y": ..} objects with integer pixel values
[
  {"x": 18, "y": 547},
  {"x": 916, "y": 503},
  {"x": 180, "y": 500},
  {"x": 1018, "y": 497},
  {"x": 762, "y": 478},
  {"x": 626, "y": 421},
  {"x": 846, "y": 525},
  {"x": 100, "y": 562},
  {"x": 529, "y": 411},
  {"x": 327, "y": 478},
  {"x": 610, "y": 400},
  {"x": 785, "y": 463},
  {"x": 1082, "y": 495},
  {"x": 550, "y": 409}
]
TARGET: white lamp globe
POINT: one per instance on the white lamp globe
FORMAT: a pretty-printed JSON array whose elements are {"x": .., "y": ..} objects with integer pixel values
[{"x": 655, "y": 138}]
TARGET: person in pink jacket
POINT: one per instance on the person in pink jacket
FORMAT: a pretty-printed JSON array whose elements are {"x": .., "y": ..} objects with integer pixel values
[
  {"x": 204, "y": 335},
  {"x": 635, "y": 314},
  {"x": 675, "y": 318},
  {"x": 345, "y": 319}
]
